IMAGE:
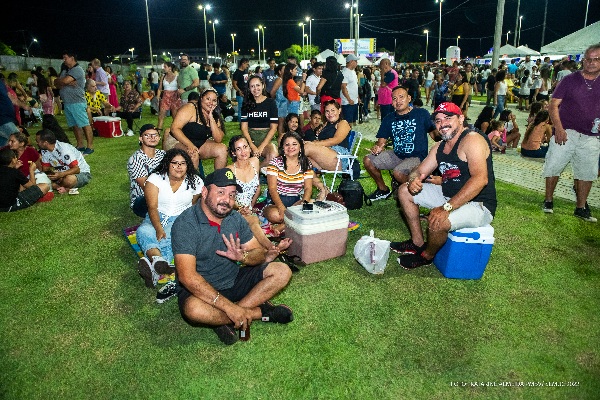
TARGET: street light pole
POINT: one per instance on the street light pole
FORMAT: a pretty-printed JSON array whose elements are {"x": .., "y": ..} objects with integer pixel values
[
  {"x": 309, "y": 20},
  {"x": 458, "y": 37},
  {"x": 426, "y": 32},
  {"x": 131, "y": 50},
  {"x": 233, "y": 46},
  {"x": 262, "y": 28},
  {"x": 216, "y": 21},
  {"x": 507, "y": 37},
  {"x": 440, "y": 32},
  {"x": 357, "y": 30},
  {"x": 34, "y": 40},
  {"x": 204, "y": 8},
  {"x": 587, "y": 8},
  {"x": 149, "y": 39},
  {"x": 303, "y": 52},
  {"x": 258, "y": 38},
  {"x": 520, "y": 24},
  {"x": 517, "y": 22}
]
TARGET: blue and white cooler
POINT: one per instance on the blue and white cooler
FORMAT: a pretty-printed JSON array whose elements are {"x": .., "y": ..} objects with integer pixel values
[{"x": 466, "y": 253}]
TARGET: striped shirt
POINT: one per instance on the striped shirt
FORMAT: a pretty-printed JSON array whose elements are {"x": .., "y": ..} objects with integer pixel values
[
  {"x": 138, "y": 166},
  {"x": 288, "y": 184}
]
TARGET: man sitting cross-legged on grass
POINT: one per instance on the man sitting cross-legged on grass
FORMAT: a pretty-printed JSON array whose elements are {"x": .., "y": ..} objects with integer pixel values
[
  {"x": 63, "y": 163},
  {"x": 210, "y": 241},
  {"x": 466, "y": 197}
]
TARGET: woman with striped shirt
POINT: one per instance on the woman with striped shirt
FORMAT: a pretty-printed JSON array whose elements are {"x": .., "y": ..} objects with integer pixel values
[{"x": 288, "y": 176}]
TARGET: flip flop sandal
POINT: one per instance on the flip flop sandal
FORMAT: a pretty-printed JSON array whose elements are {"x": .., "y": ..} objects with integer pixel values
[
  {"x": 292, "y": 259},
  {"x": 284, "y": 259}
]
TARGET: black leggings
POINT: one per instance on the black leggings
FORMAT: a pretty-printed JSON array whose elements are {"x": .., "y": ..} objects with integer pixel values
[{"x": 128, "y": 116}]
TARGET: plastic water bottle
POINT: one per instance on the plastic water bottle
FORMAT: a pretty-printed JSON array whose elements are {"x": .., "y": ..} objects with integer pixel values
[{"x": 372, "y": 248}]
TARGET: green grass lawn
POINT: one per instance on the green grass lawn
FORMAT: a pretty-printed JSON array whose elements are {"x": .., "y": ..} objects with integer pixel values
[{"x": 78, "y": 323}]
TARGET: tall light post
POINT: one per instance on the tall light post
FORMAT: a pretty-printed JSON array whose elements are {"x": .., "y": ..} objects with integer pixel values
[
  {"x": 519, "y": 35},
  {"x": 131, "y": 50},
  {"x": 149, "y": 39},
  {"x": 426, "y": 32},
  {"x": 357, "y": 32},
  {"x": 587, "y": 8},
  {"x": 204, "y": 8},
  {"x": 507, "y": 37},
  {"x": 302, "y": 25},
  {"x": 517, "y": 23},
  {"x": 458, "y": 37},
  {"x": 258, "y": 38},
  {"x": 32, "y": 42},
  {"x": 233, "y": 46},
  {"x": 262, "y": 29},
  {"x": 213, "y": 23},
  {"x": 440, "y": 32},
  {"x": 351, "y": 7},
  {"x": 309, "y": 20}
]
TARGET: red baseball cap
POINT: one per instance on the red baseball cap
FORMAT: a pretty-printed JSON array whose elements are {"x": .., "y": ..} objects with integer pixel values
[{"x": 448, "y": 109}]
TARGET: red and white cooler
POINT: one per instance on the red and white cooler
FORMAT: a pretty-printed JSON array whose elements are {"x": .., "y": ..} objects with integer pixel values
[
  {"x": 318, "y": 235},
  {"x": 108, "y": 127}
]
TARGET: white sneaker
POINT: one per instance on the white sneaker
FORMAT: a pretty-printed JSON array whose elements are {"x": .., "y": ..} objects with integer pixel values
[{"x": 130, "y": 133}]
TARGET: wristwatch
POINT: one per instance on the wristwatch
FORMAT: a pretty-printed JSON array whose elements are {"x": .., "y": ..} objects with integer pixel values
[{"x": 447, "y": 207}]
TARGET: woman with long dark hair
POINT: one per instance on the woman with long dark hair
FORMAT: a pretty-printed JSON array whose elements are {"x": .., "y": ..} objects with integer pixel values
[
  {"x": 199, "y": 129},
  {"x": 500, "y": 89},
  {"x": 259, "y": 119},
  {"x": 52, "y": 75},
  {"x": 289, "y": 180},
  {"x": 537, "y": 136},
  {"x": 484, "y": 118},
  {"x": 169, "y": 190},
  {"x": 330, "y": 84},
  {"x": 168, "y": 94},
  {"x": 332, "y": 139},
  {"x": 292, "y": 90}
]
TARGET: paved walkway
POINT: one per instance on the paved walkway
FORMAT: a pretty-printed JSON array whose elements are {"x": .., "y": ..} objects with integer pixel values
[{"x": 511, "y": 167}]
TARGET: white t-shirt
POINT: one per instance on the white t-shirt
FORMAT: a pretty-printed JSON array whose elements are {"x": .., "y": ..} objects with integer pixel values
[
  {"x": 64, "y": 157},
  {"x": 351, "y": 81},
  {"x": 155, "y": 77},
  {"x": 525, "y": 86},
  {"x": 312, "y": 82},
  {"x": 170, "y": 203},
  {"x": 430, "y": 76}
]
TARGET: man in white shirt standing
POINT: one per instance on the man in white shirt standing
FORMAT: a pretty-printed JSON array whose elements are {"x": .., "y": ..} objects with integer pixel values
[
  {"x": 349, "y": 92},
  {"x": 311, "y": 85}
]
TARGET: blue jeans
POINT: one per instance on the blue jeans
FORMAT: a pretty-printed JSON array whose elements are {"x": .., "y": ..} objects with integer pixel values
[
  {"x": 500, "y": 105},
  {"x": 146, "y": 236},
  {"x": 240, "y": 100}
]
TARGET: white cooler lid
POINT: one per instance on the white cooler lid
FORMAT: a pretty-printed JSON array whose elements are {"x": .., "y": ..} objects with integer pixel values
[{"x": 106, "y": 119}]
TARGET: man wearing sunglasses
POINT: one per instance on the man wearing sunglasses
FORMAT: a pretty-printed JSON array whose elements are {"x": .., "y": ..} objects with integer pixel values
[{"x": 140, "y": 165}]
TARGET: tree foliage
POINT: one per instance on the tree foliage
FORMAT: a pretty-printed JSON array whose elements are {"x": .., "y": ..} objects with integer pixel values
[
  {"x": 409, "y": 51},
  {"x": 6, "y": 50},
  {"x": 296, "y": 51}
]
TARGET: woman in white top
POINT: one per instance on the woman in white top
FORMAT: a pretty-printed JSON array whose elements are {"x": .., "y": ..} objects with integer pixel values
[
  {"x": 167, "y": 93},
  {"x": 542, "y": 85},
  {"x": 500, "y": 92},
  {"x": 172, "y": 188},
  {"x": 245, "y": 167},
  {"x": 525, "y": 90}
]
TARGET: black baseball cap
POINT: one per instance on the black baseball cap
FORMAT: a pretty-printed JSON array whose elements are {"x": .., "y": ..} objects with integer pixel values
[
  {"x": 222, "y": 177},
  {"x": 147, "y": 127}
]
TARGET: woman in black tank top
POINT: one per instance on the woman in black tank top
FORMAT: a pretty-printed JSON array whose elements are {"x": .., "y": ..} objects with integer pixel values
[{"x": 198, "y": 127}]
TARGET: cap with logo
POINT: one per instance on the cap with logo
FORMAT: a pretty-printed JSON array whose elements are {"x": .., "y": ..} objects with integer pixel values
[
  {"x": 448, "y": 109},
  {"x": 222, "y": 177}
]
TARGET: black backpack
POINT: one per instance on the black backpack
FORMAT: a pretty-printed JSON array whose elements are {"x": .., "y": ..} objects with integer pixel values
[{"x": 353, "y": 193}]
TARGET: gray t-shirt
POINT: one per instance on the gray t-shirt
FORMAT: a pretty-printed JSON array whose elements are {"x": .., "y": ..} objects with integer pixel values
[
  {"x": 193, "y": 234},
  {"x": 72, "y": 94}
]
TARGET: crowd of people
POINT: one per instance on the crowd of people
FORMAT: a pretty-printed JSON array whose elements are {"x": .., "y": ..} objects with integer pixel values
[{"x": 208, "y": 227}]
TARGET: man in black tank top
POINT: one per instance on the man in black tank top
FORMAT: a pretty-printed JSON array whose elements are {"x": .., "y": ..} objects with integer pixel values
[{"x": 465, "y": 199}]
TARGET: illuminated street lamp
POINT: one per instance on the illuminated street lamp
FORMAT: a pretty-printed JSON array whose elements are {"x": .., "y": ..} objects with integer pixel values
[
  {"x": 258, "y": 38},
  {"x": 309, "y": 20},
  {"x": 302, "y": 25},
  {"x": 32, "y": 42},
  {"x": 204, "y": 8},
  {"x": 458, "y": 37},
  {"x": 131, "y": 50},
  {"x": 214, "y": 35},
  {"x": 233, "y": 45},
  {"x": 426, "y": 32},
  {"x": 507, "y": 37},
  {"x": 262, "y": 29},
  {"x": 519, "y": 35}
]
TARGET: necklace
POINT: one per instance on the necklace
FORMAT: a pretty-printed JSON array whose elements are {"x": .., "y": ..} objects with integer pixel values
[{"x": 589, "y": 85}]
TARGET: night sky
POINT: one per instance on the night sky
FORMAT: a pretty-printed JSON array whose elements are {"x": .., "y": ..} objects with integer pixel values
[{"x": 110, "y": 27}]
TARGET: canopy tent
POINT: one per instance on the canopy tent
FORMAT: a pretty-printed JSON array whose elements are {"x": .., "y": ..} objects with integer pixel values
[
  {"x": 340, "y": 59},
  {"x": 506, "y": 50},
  {"x": 363, "y": 61},
  {"x": 322, "y": 56},
  {"x": 526, "y": 51},
  {"x": 576, "y": 42}
]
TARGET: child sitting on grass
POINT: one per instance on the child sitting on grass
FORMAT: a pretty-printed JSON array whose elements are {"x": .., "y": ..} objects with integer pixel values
[
  {"x": 18, "y": 192},
  {"x": 497, "y": 136}
]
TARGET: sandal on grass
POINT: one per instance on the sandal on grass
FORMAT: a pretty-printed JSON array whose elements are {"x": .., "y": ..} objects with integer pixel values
[
  {"x": 284, "y": 259},
  {"x": 292, "y": 259}
]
